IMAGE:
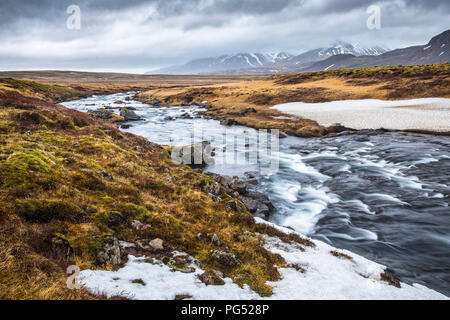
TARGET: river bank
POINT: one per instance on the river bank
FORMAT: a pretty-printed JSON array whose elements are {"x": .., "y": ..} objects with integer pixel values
[
  {"x": 249, "y": 103},
  {"x": 115, "y": 185},
  {"x": 317, "y": 189}
]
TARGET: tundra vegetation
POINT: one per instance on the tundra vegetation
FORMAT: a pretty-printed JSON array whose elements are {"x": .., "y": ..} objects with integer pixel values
[{"x": 69, "y": 182}]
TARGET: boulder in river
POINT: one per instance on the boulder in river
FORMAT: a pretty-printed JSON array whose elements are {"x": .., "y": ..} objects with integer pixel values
[
  {"x": 129, "y": 115},
  {"x": 199, "y": 154}
]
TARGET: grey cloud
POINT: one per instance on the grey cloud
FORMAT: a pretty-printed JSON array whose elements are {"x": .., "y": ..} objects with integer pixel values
[{"x": 146, "y": 34}]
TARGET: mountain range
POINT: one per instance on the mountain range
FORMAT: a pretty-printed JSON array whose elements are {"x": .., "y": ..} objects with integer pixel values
[
  {"x": 225, "y": 62},
  {"x": 338, "y": 56}
]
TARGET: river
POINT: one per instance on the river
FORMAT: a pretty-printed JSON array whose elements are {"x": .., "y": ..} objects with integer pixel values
[{"x": 384, "y": 196}]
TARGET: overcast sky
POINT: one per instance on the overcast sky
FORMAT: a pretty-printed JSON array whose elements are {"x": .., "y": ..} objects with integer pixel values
[{"x": 141, "y": 35}]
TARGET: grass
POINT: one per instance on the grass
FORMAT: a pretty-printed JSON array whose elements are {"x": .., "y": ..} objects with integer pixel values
[
  {"x": 65, "y": 181},
  {"x": 231, "y": 100}
]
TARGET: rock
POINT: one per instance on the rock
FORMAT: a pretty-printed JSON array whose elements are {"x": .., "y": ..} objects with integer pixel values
[
  {"x": 102, "y": 114},
  {"x": 137, "y": 224},
  {"x": 205, "y": 103},
  {"x": 251, "y": 204},
  {"x": 125, "y": 126},
  {"x": 155, "y": 102},
  {"x": 118, "y": 102},
  {"x": 185, "y": 269},
  {"x": 129, "y": 115},
  {"x": 210, "y": 279},
  {"x": 212, "y": 189},
  {"x": 186, "y": 116},
  {"x": 228, "y": 122},
  {"x": 185, "y": 104},
  {"x": 157, "y": 244},
  {"x": 168, "y": 118},
  {"x": 282, "y": 135},
  {"x": 225, "y": 258},
  {"x": 199, "y": 154},
  {"x": 238, "y": 185},
  {"x": 216, "y": 240},
  {"x": 110, "y": 254},
  {"x": 153, "y": 245},
  {"x": 128, "y": 99}
]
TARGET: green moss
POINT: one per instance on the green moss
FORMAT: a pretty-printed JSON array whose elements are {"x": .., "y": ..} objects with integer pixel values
[
  {"x": 138, "y": 281},
  {"x": 87, "y": 181},
  {"x": 131, "y": 211},
  {"x": 43, "y": 211},
  {"x": 22, "y": 167},
  {"x": 33, "y": 160}
]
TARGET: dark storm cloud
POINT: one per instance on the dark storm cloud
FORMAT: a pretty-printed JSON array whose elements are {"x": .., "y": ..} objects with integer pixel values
[{"x": 144, "y": 34}]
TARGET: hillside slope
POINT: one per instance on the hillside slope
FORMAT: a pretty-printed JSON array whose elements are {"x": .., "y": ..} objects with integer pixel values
[{"x": 69, "y": 185}]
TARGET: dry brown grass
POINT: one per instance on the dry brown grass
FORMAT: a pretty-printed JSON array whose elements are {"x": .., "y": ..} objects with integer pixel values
[
  {"x": 231, "y": 100},
  {"x": 53, "y": 185}
]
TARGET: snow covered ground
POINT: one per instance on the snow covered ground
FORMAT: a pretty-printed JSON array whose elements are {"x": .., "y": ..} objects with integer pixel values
[
  {"x": 324, "y": 276},
  {"x": 421, "y": 114}
]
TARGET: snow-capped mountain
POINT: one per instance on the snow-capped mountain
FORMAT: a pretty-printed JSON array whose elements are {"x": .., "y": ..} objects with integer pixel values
[
  {"x": 339, "y": 47},
  {"x": 225, "y": 62},
  {"x": 435, "y": 51}
]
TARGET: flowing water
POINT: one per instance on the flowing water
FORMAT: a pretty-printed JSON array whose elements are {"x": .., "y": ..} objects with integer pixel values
[{"x": 383, "y": 196}]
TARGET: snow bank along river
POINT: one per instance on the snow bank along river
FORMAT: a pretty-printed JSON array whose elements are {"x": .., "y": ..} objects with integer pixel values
[
  {"x": 432, "y": 114},
  {"x": 384, "y": 197}
]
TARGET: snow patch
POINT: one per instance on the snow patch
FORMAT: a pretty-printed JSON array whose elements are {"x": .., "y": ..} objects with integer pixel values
[{"x": 320, "y": 275}]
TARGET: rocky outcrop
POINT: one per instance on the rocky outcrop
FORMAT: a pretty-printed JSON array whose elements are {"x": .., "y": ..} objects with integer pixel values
[{"x": 244, "y": 190}]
